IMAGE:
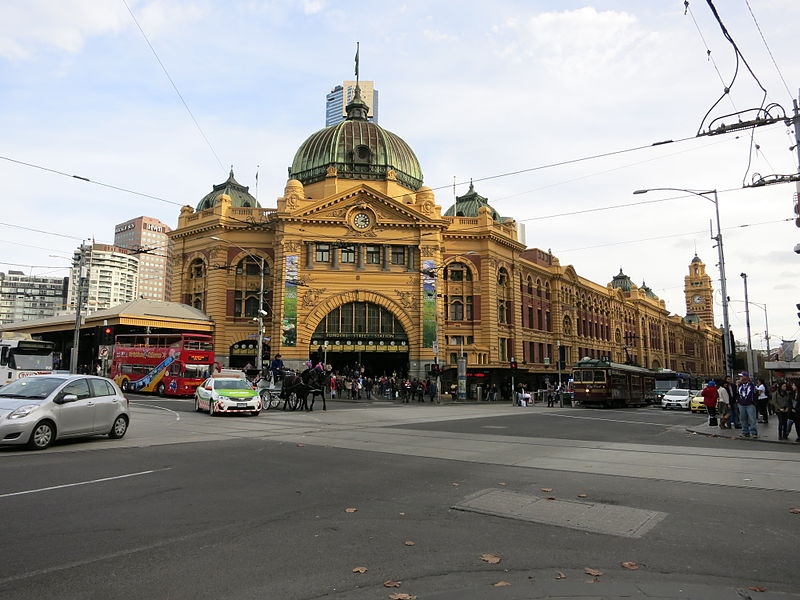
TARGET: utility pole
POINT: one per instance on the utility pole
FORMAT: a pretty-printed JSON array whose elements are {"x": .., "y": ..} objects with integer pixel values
[
  {"x": 76, "y": 337},
  {"x": 747, "y": 321}
]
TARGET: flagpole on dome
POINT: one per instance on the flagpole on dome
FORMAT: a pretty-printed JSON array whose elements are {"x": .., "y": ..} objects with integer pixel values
[{"x": 357, "y": 49}]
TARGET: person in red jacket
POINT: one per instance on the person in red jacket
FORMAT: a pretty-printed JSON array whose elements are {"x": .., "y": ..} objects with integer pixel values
[{"x": 710, "y": 396}]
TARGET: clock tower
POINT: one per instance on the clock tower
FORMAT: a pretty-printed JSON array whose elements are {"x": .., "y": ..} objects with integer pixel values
[{"x": 699, "y": 293}]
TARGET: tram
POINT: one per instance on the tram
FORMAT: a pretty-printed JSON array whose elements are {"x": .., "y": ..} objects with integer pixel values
[{"x": 608, "y": 384}]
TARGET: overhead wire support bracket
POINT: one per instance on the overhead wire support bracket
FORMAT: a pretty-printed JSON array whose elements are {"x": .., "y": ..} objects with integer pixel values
[
  {"x": 763, "y": 180},
  {"x": 763, "y": 117}
]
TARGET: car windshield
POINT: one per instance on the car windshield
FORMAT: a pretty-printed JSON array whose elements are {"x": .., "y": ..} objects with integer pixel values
[
  {"x": 31, "y": 387},
  {"x": 683, "y": 393},
  {"x": 232, "y": 384}
]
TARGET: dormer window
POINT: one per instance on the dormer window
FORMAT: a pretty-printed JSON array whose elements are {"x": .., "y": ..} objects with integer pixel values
[{"x": 362, "y": 155}]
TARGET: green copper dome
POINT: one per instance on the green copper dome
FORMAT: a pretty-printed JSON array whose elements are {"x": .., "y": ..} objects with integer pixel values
[
  {"x": 357, "y": 149},
  {"x": 238, "y": 193},
  {"x": 622, "y": 282},
  {"x": 469, "y": 205}
]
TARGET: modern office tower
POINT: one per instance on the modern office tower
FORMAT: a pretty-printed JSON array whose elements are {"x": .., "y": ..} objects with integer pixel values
[
  {"x": 27, "y": 297},
  {"x": 110, "y": 276},
  {"x": 336, "y": 101},
  {"x": 147, "y": 238}
]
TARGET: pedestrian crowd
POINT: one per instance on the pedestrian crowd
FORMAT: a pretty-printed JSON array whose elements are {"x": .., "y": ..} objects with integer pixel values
[{"x": 745, "y": 405}]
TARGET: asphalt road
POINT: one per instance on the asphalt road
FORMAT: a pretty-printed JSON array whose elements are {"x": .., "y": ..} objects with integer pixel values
[{"x": 256, "y": 507}]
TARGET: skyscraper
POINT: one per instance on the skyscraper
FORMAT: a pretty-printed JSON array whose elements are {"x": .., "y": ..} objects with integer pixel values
[
  {"x": 147, "y": 237},
  {"x": 337, "y": 99},
  {"x": 110, "y": 276},
  {"x": 27, "y": 297}
]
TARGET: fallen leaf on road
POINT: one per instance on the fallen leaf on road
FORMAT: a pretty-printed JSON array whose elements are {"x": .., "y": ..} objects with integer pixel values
[
  {"x": 630, "y": 565},
  {"x": 455, "y": 484},
  {"x": 795, "y": 511},
  {"x": 402, "y": 514},
  {"x": 501, "y": 584},
  {"x": 502, "y": 483},
  {"x": 359, "y": 569},
  {"x": 560, "y": 575},
  {"x": 409, "y": 543},
  {"x": 300, "y": 445},
  {"x": 350, "y": 510},
  {"x": 402, "y": 596},
  {"x": 755, "y": 588},
  {"x": 547, "y": 489},
  {"x": 391, "y": 583},
  {"x": 583, "y": 495},
  {"x": 592, "y": 572},
  {"x": 492, "y": 559}
]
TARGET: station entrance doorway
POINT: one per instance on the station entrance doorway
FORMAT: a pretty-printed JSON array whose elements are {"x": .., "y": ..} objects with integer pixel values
[{"x": 363, "y": 334}]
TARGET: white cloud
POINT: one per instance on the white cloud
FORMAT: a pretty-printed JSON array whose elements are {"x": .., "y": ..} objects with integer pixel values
[
  {"x": 64, "y": 25},
  {"x": 312, "y": 7}
]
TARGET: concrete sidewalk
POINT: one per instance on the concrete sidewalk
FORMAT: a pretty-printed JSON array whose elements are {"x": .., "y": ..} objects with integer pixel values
[{"x": 766, "y": 433}]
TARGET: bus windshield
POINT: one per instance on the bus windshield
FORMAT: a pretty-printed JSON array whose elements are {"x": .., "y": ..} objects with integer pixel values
[{"x": 34, "y": 359}]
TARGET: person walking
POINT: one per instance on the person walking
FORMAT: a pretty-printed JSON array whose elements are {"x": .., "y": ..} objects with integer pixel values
[
  {"x": 747, "y": 405},
  {"x": 762, "y": 402},
  {"x": 710, "y": 397},
  {"x": 794, "y": 415},
  {"x": 782, "y": 402},
  {"x": 733, "y": 394},
  {"x": 723, "y": 407}
]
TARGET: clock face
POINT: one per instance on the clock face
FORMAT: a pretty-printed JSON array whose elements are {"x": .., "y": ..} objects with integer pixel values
[
  {"x": 362, "y": 220},
  {"x": 697, "y": 299}
]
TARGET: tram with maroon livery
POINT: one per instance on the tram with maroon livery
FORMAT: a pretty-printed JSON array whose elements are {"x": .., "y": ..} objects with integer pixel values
[{"x": 600, "y": 382}]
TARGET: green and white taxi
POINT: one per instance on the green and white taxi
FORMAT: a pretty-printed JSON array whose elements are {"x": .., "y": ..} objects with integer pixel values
[{"x": 224, "y": 395}]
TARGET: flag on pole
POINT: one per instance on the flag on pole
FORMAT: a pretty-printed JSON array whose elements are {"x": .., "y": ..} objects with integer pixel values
[{"x": 357, "y": 61}]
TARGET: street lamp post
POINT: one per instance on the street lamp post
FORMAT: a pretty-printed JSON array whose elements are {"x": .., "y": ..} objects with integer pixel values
[
  {"x": 76, "y": 334},
  {"x": 726, "y": 342},
  {"x": 261, "y": 312},
  {"x": 747, "y": 322}
]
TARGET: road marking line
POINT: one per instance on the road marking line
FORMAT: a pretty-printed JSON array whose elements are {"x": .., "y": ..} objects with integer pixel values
[
  {"x": 66, "y": 485},
  {"x": 177, "y": 415}
]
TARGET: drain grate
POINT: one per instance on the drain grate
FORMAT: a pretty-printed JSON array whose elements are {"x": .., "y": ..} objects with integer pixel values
[{"x": 608, "y": 519}]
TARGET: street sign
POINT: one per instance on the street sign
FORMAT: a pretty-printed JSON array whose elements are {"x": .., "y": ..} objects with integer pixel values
[
  {"x": 102, "y": 352},
  {"x": 436, "y": 347}
]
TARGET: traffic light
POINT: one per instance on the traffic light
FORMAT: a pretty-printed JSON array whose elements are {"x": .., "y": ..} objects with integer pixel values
[
  {"x": 513, "y": 364},
  {"x": 731, "y": 362},
  {"x": 797, "y": 210},
  {"x": 798, "y": 312},
  {"x": 106, "y": 336}
]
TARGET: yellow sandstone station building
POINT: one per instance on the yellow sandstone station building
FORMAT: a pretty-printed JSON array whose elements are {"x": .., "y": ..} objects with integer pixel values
[{"x": 358, "y": 264}]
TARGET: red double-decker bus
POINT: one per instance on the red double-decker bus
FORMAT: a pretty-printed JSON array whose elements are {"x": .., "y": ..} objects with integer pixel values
[{"x": 168, "y": 364}]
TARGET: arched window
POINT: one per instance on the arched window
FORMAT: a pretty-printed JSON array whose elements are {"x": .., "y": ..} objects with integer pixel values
[
  {"x": 530, "y": 286},
  {"x": 196, "y": 293},
  {"x": 502, "y": 277},
  {"x": 567, "y": 325},
  {"x": 246, "y": 287},
  {"x": 456, "y": 309},
  {"x": 457, "y": 272}
]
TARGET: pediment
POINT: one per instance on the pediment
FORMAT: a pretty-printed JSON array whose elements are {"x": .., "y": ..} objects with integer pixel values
[{"x": 385, "y": 208}]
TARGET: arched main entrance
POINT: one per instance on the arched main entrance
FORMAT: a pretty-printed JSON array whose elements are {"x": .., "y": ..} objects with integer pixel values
[{"x": 362, "y": 333}]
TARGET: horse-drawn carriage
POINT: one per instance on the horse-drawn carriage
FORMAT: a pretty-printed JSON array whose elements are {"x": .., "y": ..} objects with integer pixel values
[{"x": 295, "y": 391}]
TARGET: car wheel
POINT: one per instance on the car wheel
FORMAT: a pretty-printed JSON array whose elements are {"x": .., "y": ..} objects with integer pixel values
[
  {"x": 663, "y": 408},
  {"x": 124, "y": 385},
  {"x": 161, "y": 390},
  {"x": 42, "y": 436},
  {"x": 119, "y": 428},
  {"x": 210, "y": 408},
  {"x": 197, "y": 404}
]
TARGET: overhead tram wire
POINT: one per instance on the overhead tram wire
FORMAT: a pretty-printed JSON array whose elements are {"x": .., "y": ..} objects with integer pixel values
[
  {"x": 87, "y": 180},
  {"x": 761, "y": 33},
  {"x": 174, "y": 87},
  {"x": 673, "y": 235}
]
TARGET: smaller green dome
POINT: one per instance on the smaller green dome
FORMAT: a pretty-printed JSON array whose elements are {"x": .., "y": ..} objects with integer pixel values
[
  {"x": 622, "y": 282},
  {"x": 239, "y": 195},
  {"x": 469, "y": 205},
  {"x": 696, "y": 259},
  {"x": 648, "y": 292}
]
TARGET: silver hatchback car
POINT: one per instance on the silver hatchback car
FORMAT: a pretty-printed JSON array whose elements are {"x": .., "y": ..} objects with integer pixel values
[{"x": 39, "y": 409}]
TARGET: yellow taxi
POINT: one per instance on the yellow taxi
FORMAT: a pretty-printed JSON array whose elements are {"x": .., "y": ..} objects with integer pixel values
[{"x": 696, "y": 402}]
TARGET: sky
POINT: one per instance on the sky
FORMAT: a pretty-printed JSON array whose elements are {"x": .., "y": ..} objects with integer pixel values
[{"x": 550, "y": 107}]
